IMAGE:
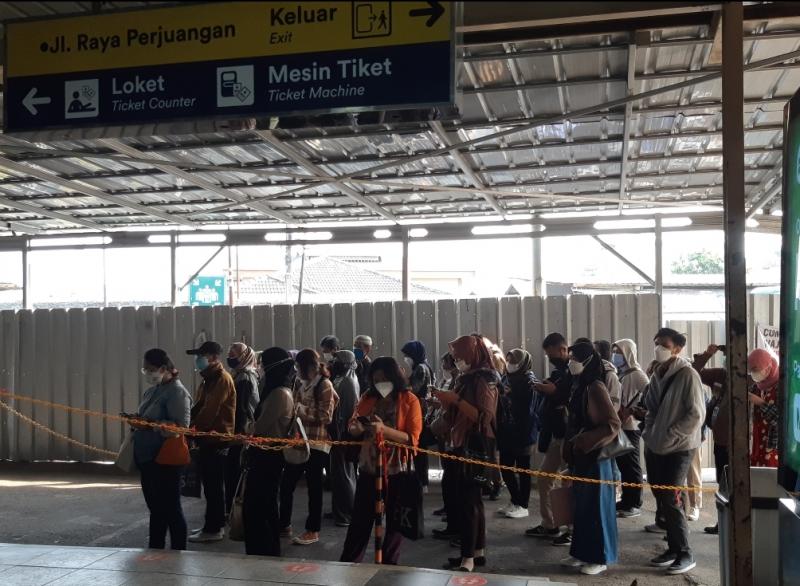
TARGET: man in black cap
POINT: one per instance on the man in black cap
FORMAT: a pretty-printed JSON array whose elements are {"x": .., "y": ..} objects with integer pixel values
[{"x": 214, "y": 410}]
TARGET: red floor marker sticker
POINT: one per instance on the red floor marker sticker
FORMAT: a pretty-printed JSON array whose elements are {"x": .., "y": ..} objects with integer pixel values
[
  {"x": 301, "y": 568},
  {"x": 152, "y": 557},
  {"x": 468, "y": 581}
]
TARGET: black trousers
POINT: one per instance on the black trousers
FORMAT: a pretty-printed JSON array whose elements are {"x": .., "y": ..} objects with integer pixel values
[
  {"x": 630, "y": 469},
  {"x": 161, "y": 486},
  {"x": 450, "y": 494},
  {"x": 313, "y": 473},
  {"x": 359, "y": 534},
  {"x": 519, "y": 485},
  {"x": 671, "y": 469},
  {"x": 211, "y": 462},
  {"x": 473, "y": 516},
  {"x": 233, "y": 469},
  {"x": 720, "y": 462},
  {"x": 421, "y": 465},
  {"x": 262, "y": 531}
]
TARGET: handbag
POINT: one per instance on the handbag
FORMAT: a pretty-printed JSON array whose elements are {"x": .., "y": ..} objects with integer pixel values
[
  {"x": 406, "y": 513},
  {"x": 619, "y": 446},
  {"x": 174, "y": 452},
  {"x": 125, "y": 460},
  {"x": 191, "y": 480},
  {"x": 236, "y": 517},
  {"x": 563, "y": 506},
  {"x": 297, "y": 454}
]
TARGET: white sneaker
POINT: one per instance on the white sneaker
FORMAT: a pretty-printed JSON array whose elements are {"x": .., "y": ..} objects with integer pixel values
[
  {"x": 693, "y": 514},
  {"x": 593, "y": 569},
  {"x": 517, "y": 512},
  {"x": 571, "y": 562},
  {"x": 204, "y": 537},
  {"x": 503, "y": 510}
]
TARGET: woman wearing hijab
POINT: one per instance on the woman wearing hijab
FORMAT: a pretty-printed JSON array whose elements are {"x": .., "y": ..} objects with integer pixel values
[
  {"x": 343, "y": 471},
  {"x": 420, "y": 378},
  {"x": 243, "y": 363},
  {"x": 518, "y": 429},
  {"x": 592, "y": 424},
  {"x": 633, "y": 381},
  {"x": 472, "y": 409},
  {"x": 273, "y": 418},
  {"x": 388, "y": 407},
  {"x": 764, "y": 371}
]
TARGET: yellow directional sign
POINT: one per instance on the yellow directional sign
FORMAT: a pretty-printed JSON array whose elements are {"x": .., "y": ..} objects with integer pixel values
[{"x": 210, "y": 32}]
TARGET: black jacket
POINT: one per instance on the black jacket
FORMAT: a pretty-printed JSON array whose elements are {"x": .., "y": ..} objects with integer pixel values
[{"x": 518, "y": 414}]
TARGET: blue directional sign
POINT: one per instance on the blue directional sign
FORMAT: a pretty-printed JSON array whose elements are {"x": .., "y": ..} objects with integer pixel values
[{"x": 229, "y": 60}]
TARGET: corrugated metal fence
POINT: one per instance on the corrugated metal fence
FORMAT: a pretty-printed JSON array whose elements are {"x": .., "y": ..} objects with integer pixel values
[{"x": 90, "y": 358}]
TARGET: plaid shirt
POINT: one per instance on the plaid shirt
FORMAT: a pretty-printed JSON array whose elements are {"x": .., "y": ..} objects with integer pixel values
[{"x": 316, "y": 412}]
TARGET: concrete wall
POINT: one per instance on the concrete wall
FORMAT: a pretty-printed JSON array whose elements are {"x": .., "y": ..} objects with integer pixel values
[{"x": 90, "y": 358}]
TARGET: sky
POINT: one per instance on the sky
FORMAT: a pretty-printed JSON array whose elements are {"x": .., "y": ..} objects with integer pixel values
[{"x": 143, "y": 274}]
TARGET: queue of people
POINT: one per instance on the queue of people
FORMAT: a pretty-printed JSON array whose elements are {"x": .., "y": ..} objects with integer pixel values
[{"x": 588, "y": 418}]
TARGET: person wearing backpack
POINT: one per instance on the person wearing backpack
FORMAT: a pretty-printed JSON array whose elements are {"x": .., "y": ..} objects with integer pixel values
[
  {"x": 315, "y": 401},
  {"x": 273, "y": 418},
  {"x": 518, "y": 429}
]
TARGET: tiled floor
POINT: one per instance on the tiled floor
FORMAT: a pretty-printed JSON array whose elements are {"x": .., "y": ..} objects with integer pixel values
[{"x": 34, "y": 565}]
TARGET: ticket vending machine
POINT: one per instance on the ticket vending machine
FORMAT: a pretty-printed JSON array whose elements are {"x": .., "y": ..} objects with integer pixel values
[{"x": 789, "y": 505}]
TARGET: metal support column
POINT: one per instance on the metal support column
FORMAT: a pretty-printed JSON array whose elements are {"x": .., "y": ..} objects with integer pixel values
[
  {"x": 173, "y": 270},
  {"x": 538, "y": 280},
  {"x": 405, "y": 266},
  {"x": 659, "y": 284},
  {"x": 740, "y": 556},
  {"x": 26, "y": 279}
]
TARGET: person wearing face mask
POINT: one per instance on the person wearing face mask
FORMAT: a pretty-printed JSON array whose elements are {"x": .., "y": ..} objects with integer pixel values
[
  {"x": 273, "y": 418},
  {"x": 388, "y": 407},
  {"x": 362, "y": 346},
  {"x": 242, "y": 362},
  {"x": 556, "y": 390},
  {"x": 315, "y": 402},
  {"x": 633, "y": 381},
  {"x": 166, "y": 400},
  {"x": 420, "y": 378},
  {"x": 343, "y": 471},
  {"x": 592, "y": 424},
  {"x": 214, "y": 410},
  {"x": 450, "y": 511},
  {"x": 472, "y": 408},
  {"x": 329, "y": 345},
  {"x": 763, "y": 367},
  {"x": 672, "y": 429},
  {"x": 518, "y": 429}
]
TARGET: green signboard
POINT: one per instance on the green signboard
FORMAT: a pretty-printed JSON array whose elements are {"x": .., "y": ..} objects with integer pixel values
[
  {"x": 790, "y": 295},
  {"x": 207, "y": 291}
]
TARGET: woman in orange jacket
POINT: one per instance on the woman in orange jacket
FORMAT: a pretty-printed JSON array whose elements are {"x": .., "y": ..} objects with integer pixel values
[{"x": 388, "y": 407}]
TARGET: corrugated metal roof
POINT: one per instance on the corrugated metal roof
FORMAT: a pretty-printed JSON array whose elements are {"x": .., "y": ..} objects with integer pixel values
[{"x": 232, "y": 177}]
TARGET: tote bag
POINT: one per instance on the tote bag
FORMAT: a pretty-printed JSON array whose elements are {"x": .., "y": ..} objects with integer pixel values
[
  {"x": 298, "y": 453},
  {"x": 125, "y": 460}
]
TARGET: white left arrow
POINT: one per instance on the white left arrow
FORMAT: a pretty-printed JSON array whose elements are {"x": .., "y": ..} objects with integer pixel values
[{"x": 31, "y": 101}]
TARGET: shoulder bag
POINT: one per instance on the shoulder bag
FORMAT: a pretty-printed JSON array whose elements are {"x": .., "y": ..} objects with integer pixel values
[
  {"x": 297, "y": 454},
  {"x": 125, "y": 460},
  {"x": 236, "y": 518}
]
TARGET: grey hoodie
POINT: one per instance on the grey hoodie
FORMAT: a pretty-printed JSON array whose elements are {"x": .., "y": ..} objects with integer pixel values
[
  {"x": 674, "y": 423},
  {"x": 347, "y": 387}
]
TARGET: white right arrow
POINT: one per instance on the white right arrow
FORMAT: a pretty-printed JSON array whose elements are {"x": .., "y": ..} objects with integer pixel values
[{"x": 31, "y": 101}]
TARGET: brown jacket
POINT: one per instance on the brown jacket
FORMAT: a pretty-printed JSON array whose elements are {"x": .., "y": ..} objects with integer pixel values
[{"x": 215, "y": 404}]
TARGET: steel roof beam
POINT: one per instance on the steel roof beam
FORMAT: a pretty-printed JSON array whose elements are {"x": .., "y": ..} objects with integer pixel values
[
  {"x": 767, "y": 198},
  {"x": 193, "y": 179},
  {"x": 626, "y": 125},
  {"x": 291, "y": 153},
  {"x": 466, "y": 167},
  {"x": 52, "y": 214},
  {"x": 77, "y": 187}
]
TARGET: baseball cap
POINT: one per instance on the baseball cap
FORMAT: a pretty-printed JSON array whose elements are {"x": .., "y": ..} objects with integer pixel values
[{"x": 207, "y": 348}]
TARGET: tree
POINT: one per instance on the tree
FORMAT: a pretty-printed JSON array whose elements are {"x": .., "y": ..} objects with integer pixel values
[{"x": 703, "y": 262}]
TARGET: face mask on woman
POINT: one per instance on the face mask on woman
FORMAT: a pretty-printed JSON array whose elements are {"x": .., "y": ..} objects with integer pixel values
[
  {"x": 201, "y": 363},
  {"x": 575, "y": 367},
  {"x": 233, "y": 362},
  {"x": 384, "y": 388},
  {"x": 662, "y": 354},
  {"x": 758, "y": 376},
  {"x": 409, "y": 361},
  {"x": 512, "y": 368},
  {"x": 618, "y": 360},
  {"x": 462, "y": 366},
  {"x": 153, "y": 377}
]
